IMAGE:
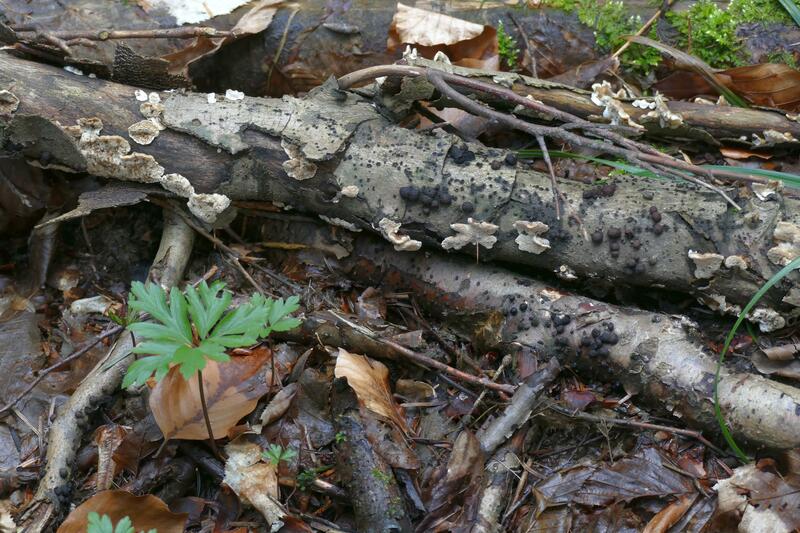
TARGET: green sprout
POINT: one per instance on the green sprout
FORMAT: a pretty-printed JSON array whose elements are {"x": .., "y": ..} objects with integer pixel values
[
  {"x": 507, "y": 46},
  {"x": 103, "y": 524},
  {"x": 192, "y": 328},
  {"x": 340, "y": 437},
  {"x": 277, "y": 453}
]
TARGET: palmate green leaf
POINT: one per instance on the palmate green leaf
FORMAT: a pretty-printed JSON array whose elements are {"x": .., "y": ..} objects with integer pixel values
[
  {"x": 141, "y": 369},
  {"x": 205, "y": 307},
  {"x": 190, "y": 360},
  {"x": 278, "y": 316}
]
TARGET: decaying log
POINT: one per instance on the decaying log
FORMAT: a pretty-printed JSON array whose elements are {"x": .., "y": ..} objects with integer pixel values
[
  {"x": 54, "y": 493},
  {"x": 335, "y": 155},
  {"x": 369, "y": 480},
  {"x": 659, "y": 358}
]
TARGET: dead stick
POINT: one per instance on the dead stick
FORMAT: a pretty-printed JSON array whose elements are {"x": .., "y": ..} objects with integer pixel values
[{"x": 105, "y": 35}]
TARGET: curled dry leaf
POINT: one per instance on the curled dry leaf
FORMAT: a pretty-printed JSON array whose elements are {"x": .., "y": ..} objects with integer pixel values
[
  {"x": 146, "y": 512},
  {"x": 253, "y": 480},
  {"x": 231, "y": 389},
  {"x": 370, "y": 381},
  {"x": 430, "y": 32},
  {"x": 279, "y": 404},
  {"x": 108, "y": 438}
]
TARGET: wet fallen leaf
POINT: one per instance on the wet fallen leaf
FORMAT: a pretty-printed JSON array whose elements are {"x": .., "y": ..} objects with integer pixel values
[
  {"x": 742, "y": 153},
  {"x": 370, "y": 381},
  {"x": 253, "y": 480},
  {"x": 279, "y": 404},
  {"x": 232, "y": 391},
  {"x": 108, "y": 438},
  {"x": 146, "y": 512}
]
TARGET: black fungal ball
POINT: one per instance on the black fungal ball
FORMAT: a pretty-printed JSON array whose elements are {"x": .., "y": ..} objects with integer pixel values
[
  {"x": 603, "y": 351},
  {"x": 496, "y": 165},
  {"x": 410, "y": 193},
  {"x": 523, "y": 306},
  {"x": 513, "y": 311},
  {"x": 648, "y": 195},
  {"x": 595, "y": 332},
  {"x": 614, "y": 246},
  {"x": 562, "y": 341},
  {"x": 609, "y": 337},
  {"x": 586, "y": 340},
  {"x": 658, "y": 229},
  {"x": 461, "y": 154},
  {"x": 614, "y": 233},
  {"x": 560, "y": 329},
  {"x": 636, "y": 244},
  {"x": 467, "y": 207},
  {"x": 511, "y": 159},
  {"x": 597, "y": 237}
]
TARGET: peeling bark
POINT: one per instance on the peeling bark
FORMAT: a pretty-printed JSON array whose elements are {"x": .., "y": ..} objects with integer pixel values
[{"x": 660, "y": 358}]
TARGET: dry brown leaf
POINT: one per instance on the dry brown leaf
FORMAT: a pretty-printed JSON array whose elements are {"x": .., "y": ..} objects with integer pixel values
[
  {"x": 370, "y": 381},
  {"x": 765, "y": 84},
  {"x": 108, "y": 438},
  {"x": 669, "y": 515},
  {"x": 430, "y": 32},
  {"x": 279, "y": 404},
  {"x": 231, "y": 389},
  {"x": 146, "y": 512},
  {"x": 742, "y": 153},
  {"x": 253, "y": 480},
  {"x": 256, "y": 20}
]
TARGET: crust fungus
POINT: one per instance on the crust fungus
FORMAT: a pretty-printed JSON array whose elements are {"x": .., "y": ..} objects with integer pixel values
[
  {"x": 793, "y": 298},
  {"x": 529, "y": 239},
  {"x": 613, "y": 110},
  {"x": 8, "y": 102},
  {"x": 767, "y": 319},
  {"x": 705, "y": 264},
  {"x": 402, "y": 243},
  {"x": 144, "y": 131},
  {"x": 233, "y": 96},
  {"x": 787, "y": 238},
  {"x": 773, "y": 137},
  {"x": 351, "y": 191},
  {"x": 662, "y": 114},
  {"x": 473, "y": 232}
]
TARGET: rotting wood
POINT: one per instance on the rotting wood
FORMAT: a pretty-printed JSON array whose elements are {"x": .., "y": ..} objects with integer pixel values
[
  {"x": 660, "y": 359},
  {"x": 352, "y": 166}
]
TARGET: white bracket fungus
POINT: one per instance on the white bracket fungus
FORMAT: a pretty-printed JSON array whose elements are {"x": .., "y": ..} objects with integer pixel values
[
  {"x": 297, "y": 166},
  {"x": 736, "y": 261},
  {"x": 473, "y": 232},
  {"x": 787, "y": 237},
  {"x": 613, "y": 110},
  {"x": 662, "y": 114},
  {"x": 233, "y": 96},
  {"x": 402, "y": 243},
  {"x": 145, "y": 131},
  {"x": 529, "y": 239},
  {"x": 705, "y": 264}
]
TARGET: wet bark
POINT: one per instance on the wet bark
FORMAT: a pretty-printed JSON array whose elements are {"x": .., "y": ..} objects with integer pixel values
[
  {"x": 661, "y": 359},
  {"x": 335, "y": 155}
]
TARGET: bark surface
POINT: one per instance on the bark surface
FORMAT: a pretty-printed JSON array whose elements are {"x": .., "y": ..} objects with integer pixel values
[{"x": 335, "y": 155}]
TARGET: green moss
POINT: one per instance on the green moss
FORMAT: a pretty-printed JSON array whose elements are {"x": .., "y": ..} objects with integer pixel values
[
  {"x": 705, "y": 30},
  {"x": 507, "y": 47},
  {"x": 709, "y": 33}
]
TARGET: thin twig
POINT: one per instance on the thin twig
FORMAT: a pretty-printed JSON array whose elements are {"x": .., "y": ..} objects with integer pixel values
[
  {"x": 88, "y": 346},
  {"x": 635, "y": 423},
  {"x": 646, "y": 26},
  {"x": 105, "y": 35}
]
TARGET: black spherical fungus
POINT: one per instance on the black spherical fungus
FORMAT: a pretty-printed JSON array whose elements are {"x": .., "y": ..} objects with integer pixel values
[
  {"x": 658, "y": 228},
  {"x": 511, "y": 159},
  {"x": 496, "y": 165},
  {"x": 597, "y": 237},
  {"x": 409, "y": 193},
  {"x": 467, "y": 207},
  {"x": 461, "y": 154},
  {"x": 614, "y": 233},
  {"x": 597, "y": 345}
]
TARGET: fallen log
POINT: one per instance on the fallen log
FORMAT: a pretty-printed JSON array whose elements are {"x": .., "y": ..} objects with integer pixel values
[
  {"x": 335, "y": 155},
  {"x": 660, "y": 359}
]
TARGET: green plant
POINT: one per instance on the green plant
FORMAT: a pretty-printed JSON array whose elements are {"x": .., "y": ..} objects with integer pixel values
[
  {"x": 192, "y": 328},
  {"x": 782, "y": 273},
  {"x": 762, "y": 11},
  {"x": 103, "y": 524},
  {"x": 188, "y": 330},
  {"x": 307, "y": 476},
  {"x": 709, "y": 33},
  {"x": 277, "y": 453},
  {"x": 340, "y": 437},
  {"x": 507, "y": 47}
]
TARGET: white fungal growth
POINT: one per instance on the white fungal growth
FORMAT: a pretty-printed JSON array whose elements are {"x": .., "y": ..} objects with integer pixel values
[
  {"x": 566, "y": 273},
  {"x": 110, "y": 156},
  {"x": 529, "y": 239},
  {"x": 351, "y": 191},
  {"x": 402, "y": 243},
  {"x": 717, "y": 302},
  {"x": 793, "y": 297},
  {"x": 211, "y": 98},
  {"x": 233, "y": 96},
  {"x": 144, "y": 131},
  {"x": 662, "y": 114},
  {"x": 410, "y": 54},
  {"x": 473, "y": 232},
  {"x": 736, "y": 261},
  {"x": 764, "y": 191},
  {"x": 152, "y": 110},
  {"x": 140, "y": 95},
  {"x": 441, "y": 57},
  {"x": 767, "y": 319},
  {"x": 73, "y": 70},
  {"x": 644, "y": 104},
  {"x": 773, "y": 137},
  {"x": 706, "y": 264},
  {"x": 613, "y": 110},
  {"x": 154, "y": 98},
  {"x": 297, "y": 166},
  {"x": 8, "y": 102},
  {"x": 787, "y": 238}
]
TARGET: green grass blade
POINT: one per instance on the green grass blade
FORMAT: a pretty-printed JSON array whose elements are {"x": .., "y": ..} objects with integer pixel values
[
  {"x": 792, "y": 9},
  {"x": 785, "y": 177},
  {"x": 782, "y": 273}
]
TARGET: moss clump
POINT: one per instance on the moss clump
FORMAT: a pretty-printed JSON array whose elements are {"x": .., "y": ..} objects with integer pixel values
[
  {"x": 507, "y": 47},
  {"x": 704, "y": 29},
  {"x": 611, "y": 22},
  {"x": 709, "y": 33}
]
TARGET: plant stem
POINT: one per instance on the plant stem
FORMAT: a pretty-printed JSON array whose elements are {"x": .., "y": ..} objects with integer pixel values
[{"x": 211, "y": 440}]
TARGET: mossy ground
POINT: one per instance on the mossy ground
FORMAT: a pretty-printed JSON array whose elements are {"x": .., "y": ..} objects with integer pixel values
[{"x": 705, "y": 29}]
